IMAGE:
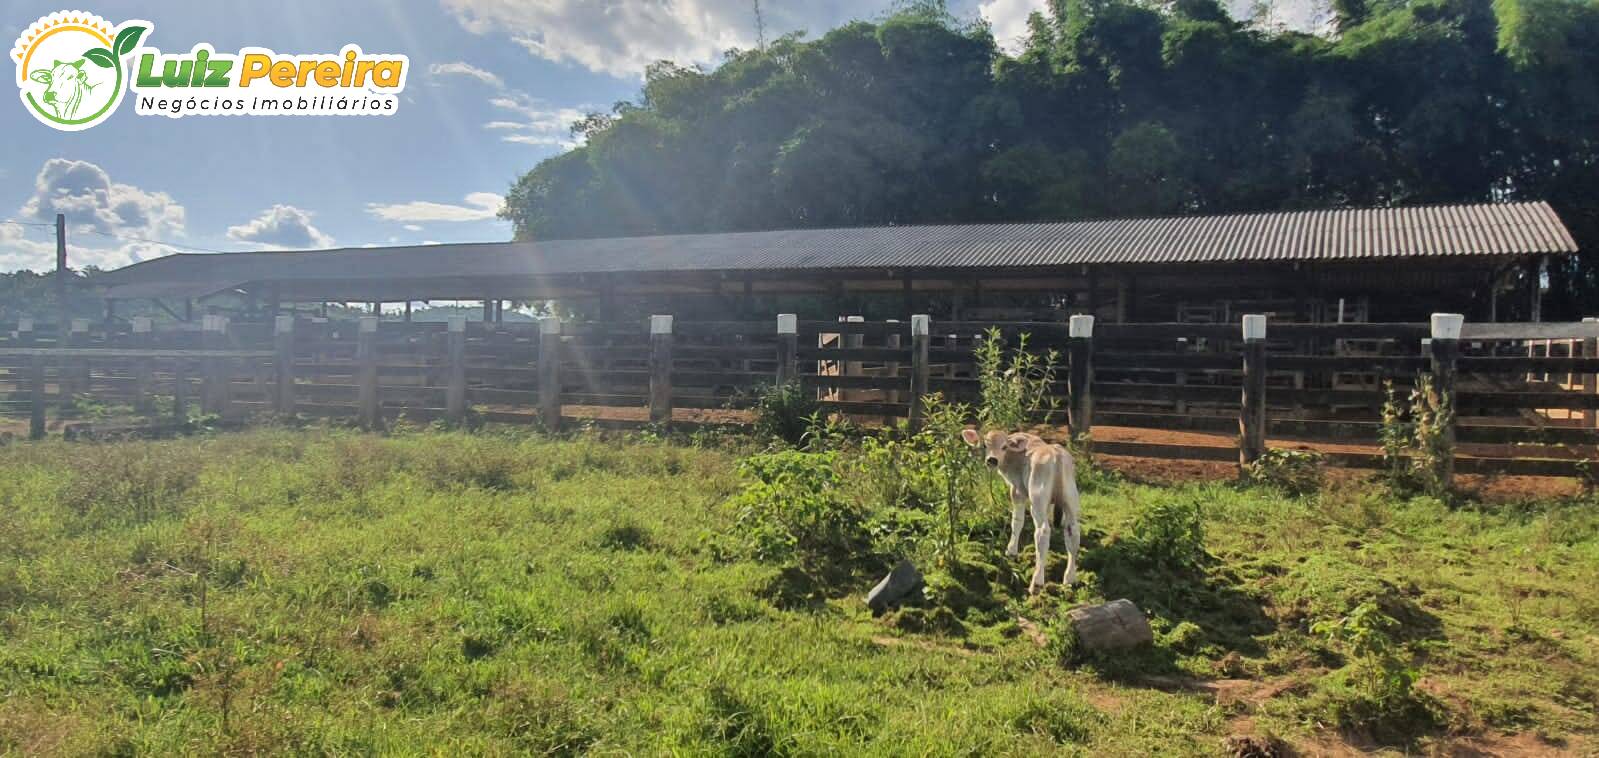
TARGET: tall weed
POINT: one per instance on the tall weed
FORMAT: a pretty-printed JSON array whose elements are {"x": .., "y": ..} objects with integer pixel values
[{"x": 1015, "y": 385}]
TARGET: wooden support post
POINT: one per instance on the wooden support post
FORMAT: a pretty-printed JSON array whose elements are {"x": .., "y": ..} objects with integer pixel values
[
  {"x": 908, "y": 292},
  {"x": 1590, "y": 381},
  {"x": 853, "y": 368},
  {"x": 25, "y": 336},
  {"x": 787, "y": 348},
  {"x": 408, "y": 311},
  {"x": 455, "y": 390},
  {"x": 283, "y": 364},
  {"x": 660, "y": 369},
  {"x": 921, "y": 337},
  {"x": 1252, "y": 408},
  {"x": 36, "y": 404},
  {"x": 366, "y": 356},
  {"x": 550, "y": 373},
  {"x": 1080, "y": 378},
  {"x": 1092, "y": 306},
  {"x": 62, "y": 272},
  {"x": 143, "y": 372},
  {"x": 1445, "y": 349},
  {"x": 1121, "y": 299},
  {"x": 488, "y": 311},
  {"x": 892, "y": 367},
  {"x": 1536, "y": 271}
]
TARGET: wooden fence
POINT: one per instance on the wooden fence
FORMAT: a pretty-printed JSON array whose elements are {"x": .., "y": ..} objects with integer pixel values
[{"x": 1525, "y": 394}]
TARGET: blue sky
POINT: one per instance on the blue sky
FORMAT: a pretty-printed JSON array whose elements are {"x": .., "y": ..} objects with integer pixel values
[{"x": 492, "y": 88}]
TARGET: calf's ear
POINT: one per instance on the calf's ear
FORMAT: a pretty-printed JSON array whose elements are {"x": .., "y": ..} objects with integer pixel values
[
  {"x": 971, "y": 437},
  {"x": 41, "y": 76},
  {"x": 1016, "y": 443}
]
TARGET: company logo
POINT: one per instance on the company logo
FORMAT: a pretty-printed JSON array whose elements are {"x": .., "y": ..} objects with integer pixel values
[{"x": 71, "y": 69}]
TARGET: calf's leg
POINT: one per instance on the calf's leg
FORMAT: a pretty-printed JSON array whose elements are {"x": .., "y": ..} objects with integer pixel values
[
  {"x": 1018, "y": 519},
  {"x": 1039, "y": 493},
  {"x": 1071, "y": 522}
]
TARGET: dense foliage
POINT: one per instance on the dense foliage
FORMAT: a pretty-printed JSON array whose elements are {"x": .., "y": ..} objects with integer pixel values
[{"x": 1114, "y": 108}]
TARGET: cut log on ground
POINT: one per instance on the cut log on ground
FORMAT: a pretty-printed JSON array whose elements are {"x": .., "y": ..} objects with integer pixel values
[{"x": 1116, "y": 625}]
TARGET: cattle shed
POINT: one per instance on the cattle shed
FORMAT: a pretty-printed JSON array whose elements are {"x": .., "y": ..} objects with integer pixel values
[{"x": 1378, "y": 264}]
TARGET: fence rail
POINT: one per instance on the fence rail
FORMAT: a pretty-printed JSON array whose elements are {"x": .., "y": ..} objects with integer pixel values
[{"x": 1529, "y": 392}]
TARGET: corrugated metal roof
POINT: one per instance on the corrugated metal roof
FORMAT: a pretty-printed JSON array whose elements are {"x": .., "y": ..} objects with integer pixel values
[{"x": 1329, "y": 235}]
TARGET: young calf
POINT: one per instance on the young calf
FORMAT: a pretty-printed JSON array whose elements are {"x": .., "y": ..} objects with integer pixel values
[{"x": 1040, "y": 474}]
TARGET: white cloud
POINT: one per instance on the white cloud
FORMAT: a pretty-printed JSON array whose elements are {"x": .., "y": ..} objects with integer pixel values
[
  {"x": 478, "y": 206},
  {"x": 409, "y": 228},
  {"x": 103, "y": 217},
  {"x": 466, "y": 69},
  {"x": 621, "y": 37},
  {"x": 85, "y": 193},
  {"x": 25, "y": 247},
  {"x": 538, "y": 124},
  {"x": 282, "y": 227},
  {"x": 1008, "y": 20}
]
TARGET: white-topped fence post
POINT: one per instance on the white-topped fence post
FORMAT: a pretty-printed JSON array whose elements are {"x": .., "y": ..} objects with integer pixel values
[
  {"x": 1445, "y": 349},
  {"x": 1080, "y": 378},
  {"x": 214, "y": 388},
  {"x": 369, "y": 404},
  {"x": 283, "y": 365},
  {"x": 921, "y": 336},
  {"x": 550, "y": 373},
  {"x": 1252, "y": 404},
  {"x": 455, "y": 383},
  {"x": 661, "y": 370},
  {"x": 787, "y": 348},
  {"x": 143, "y": 339}
]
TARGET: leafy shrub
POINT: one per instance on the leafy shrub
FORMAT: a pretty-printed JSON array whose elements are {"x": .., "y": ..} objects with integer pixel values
[
  {"x": 949, "y": 464},
  {"x": 793, "y": 508},
  {"x": 1415, "y": 441},
  {"x": 1433, "y": 414},
  {"x": 1017, "y": 390},
  {"x": 1296, "y": 472},
  {"x": 784, "y": 412},
  {"x": 1395, "y": 434},
  {"x": 1171, "y": 535},
  {"x": 1376, "y": 690}
]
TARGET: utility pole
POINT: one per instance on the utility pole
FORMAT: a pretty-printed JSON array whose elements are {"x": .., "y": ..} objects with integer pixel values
[{"x": 61, "y": 273}]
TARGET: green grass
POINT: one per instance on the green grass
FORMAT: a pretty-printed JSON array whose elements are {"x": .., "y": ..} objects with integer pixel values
[{"x": 319, "y": 591}]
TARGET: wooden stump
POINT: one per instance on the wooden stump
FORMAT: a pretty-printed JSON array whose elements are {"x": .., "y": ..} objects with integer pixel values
[{"x": 1116, "y": 625}]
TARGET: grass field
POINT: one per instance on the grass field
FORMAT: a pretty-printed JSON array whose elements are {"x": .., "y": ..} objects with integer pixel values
[{"x": 429, "y": 592}]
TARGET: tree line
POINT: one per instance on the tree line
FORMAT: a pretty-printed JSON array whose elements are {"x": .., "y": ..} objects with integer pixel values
[{"x": 1111, "y": 109}]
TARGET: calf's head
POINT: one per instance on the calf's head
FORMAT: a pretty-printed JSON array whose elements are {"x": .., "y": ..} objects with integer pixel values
[{"x": 997, "y": 448}]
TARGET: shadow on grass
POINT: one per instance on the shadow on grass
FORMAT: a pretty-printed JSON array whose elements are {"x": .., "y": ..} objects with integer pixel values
[{"x": 1204, "y": 599}]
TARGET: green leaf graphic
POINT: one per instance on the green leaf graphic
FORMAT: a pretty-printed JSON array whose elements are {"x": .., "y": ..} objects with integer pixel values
[
  {"x": 100, "y": 57},
  {"x": 127, "y": 39}
]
